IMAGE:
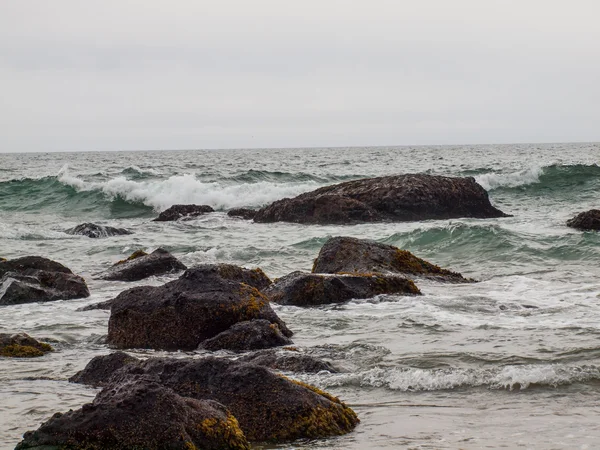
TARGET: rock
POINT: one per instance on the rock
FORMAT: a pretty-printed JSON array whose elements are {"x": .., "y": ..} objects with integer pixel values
[
  {"x": 268, "y": 407},
  {"x": 306, "y": 289},
  {"x": 253, "y": 277},
  {"x": 140, "y": 414},
  {"x": 181, "y": 314},
  {"x": 351, "y": 255},
  {"x": 244, "y": 213},
  {"x": 177, "y": 212},
  {"x": 22, "y": 345},
  {"x": 393, "y": 198},
  {"x": 92, "y": 230},
  {"x": 99, "y": 370},
  {"x": 141, "y": 265},
  {"x": 31, "y": 262},
  {"x": 250, "y": 335},
  {"x": 100, "y": 305},
  {"x": 32, "y": 285},
  {"x": 288, "y": 360},
  {"x": 588, "y": 220}
]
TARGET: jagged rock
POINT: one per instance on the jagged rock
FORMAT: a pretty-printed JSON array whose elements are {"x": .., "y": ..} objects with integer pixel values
[
  {"x": 177, "y": 212},
  {"x": 588, "y": 220},
  {"x": 249, "y": 335},
  {"x": 288, "y": 360},
  {"x": 351, "y": 255},
  {"x": 21, "y": 345},
  {"x": 141, "y": 265},
  {"x": 267, "y": 406},
  {"x": 92, "y": 230},
  {"x": 244, "y": 213},
  {"x": 140, "y": 414},
  {"x": 40, "y": 286},
  {"x": 306, "y": 289},
  {"x": 181, "y": 314},
  {"x": 393, "y": 198}
]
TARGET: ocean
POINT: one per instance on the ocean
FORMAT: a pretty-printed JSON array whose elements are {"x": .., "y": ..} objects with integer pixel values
[{"x": 512, "y": 361}]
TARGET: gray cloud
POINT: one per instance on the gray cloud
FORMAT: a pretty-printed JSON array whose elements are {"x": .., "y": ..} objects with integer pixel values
[{"x": 204, "y": 74}]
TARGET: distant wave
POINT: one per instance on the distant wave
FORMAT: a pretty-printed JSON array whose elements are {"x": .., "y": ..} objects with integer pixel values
[
  {"x": 540, "y": 177},
  {"x": 257, "y": 176},
  {"x": 135, "y": 172},
  {"x": 508, "y": 377}
]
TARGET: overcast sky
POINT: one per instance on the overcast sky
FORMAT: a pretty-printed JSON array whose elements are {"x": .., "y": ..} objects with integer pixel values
[{"x": 122, "y": 75}]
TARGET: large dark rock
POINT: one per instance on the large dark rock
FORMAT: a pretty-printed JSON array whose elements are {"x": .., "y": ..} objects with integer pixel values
[
  {"x": 99, "y": 370},
  {"x": 33, "y": 285},
  {"x": 351, "y": 255},
  {"x": 177, "y": 212},
  {"x": 31, "y": 262},
  {"x": 244, "y": 213},
  {"x": 92, "y": 230},
  {"x": 267, "y": 406},
  {"x": 181, "y": 314},
  {"x": 141, "y": 265},
  {"x": 21, "y": 345},
  {"x": 140, "y": 414},
  {"x": 392, "y": 198},
  {"x": 250, "y": 335},
  {"x": 306, "y": 289},
  {"x": 253, "y": 277},
  {"x": 288, "y": 359},
  {"x": 588, "y": 220}
]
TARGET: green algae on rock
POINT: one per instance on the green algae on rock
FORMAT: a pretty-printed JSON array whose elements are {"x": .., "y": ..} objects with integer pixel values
[{"x": 22, "y": 345}]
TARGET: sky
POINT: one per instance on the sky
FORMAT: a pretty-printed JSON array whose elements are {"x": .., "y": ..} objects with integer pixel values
[{"x": 193, "y": 74}]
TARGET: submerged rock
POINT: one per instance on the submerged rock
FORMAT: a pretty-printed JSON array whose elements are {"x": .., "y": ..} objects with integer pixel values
[
  {"x": 408, "y": 197},
  {"x": 288, "y": 360},
  {"x": 140, "y": 414},
  {"x": 177, "y": 212},
  {"x": 141, "y": 265},
  {"x": 21, "y": 345},
  {"x": 183, "y": 313},
  {"x": 36, "y": 279},
  {"x": 268, "y": 407},
  {"x": 249, "y": 335},
  {"x": 351, "y": 255},
  {"x": 244, "y": 213},
  {"x": 588, "y": 220},
  {"x": 306, "y": 289},
  {"x": 92, "y": 230}
]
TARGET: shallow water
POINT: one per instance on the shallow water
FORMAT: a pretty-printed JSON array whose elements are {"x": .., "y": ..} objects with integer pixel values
[{"x": 512, "y": 361}]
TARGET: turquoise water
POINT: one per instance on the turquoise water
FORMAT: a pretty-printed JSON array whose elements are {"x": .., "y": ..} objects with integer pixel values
[{"x": 512, "y": 360}]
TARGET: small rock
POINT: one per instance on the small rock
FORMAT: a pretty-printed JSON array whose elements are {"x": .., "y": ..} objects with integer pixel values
[
  {"x": 306, "y": 289},
  {"x": 32, "y": 285},
  {"x": 100, "y": 305},
  {"x": 177, "y": 212},
  {"x": 288, "y": 361},
  {"x": 22, "y": 345},
  {"x": 99, "y": 370},
  {"x": 248, "y": 335},
  {"x": 141, "y": 265},
  {"x": 244, "y": 213},
  {"x": 92, "y": 230},
  {"x": 588, "y": 220}
]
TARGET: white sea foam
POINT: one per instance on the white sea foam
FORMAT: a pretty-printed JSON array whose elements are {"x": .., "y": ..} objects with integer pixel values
[
  {"x": 149, "y": 170},
  {"x": 186, "y": 189},
  {"x": 493, "y": 180}
]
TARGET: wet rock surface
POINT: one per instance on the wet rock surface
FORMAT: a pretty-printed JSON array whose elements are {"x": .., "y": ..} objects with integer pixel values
[
  {"x": 244, "y": 213},
  {"x": 92, "y": 230},
  {"x": 306, "y": 289},
  {"x": 21, "y": 345},
  {"x": 141, "y": 265},
  {"x": 140, "y": 414},
  {"x": 177, "y": 212},
  {"x": 288, "y": 360},
  {"x": 408, "y": 197},
  {"x": 351, "y": 255},
  {"x": 588, "y": 220},
  {"x": 36, "y": 279},
  {"x": 249, "y": 335},
  {"x": 183, "y": 313},
  {"x": 268, "y": 407}
]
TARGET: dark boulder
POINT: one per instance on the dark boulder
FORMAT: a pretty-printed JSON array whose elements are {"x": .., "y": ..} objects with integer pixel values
[
  {"x": 351, "y": 255},
  {"x": 140, "y": 414},
  {"x": 92, "y": 230},
  {"x": 253, "y": 277},
  {"x": 288, "y": 360},
  {"x": 588, "y": 220},
  {"x": 141, "y": 265},
  {"x": 244, "y": 213},
  {"x": 179, "y": 315},
  {"x": 177, "y": 212},
  {"x": 31, "y": 262},
  {"x": 306, "y": 289},
  {"x": 268, "y": 407},
  {"x": 250, "y": 335},
  {"x": 32, "y": 285},
  {"x": 21, "y": 345},
  {"x": 408, "y": 197},
  {"x": 99, "y": 370}
]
